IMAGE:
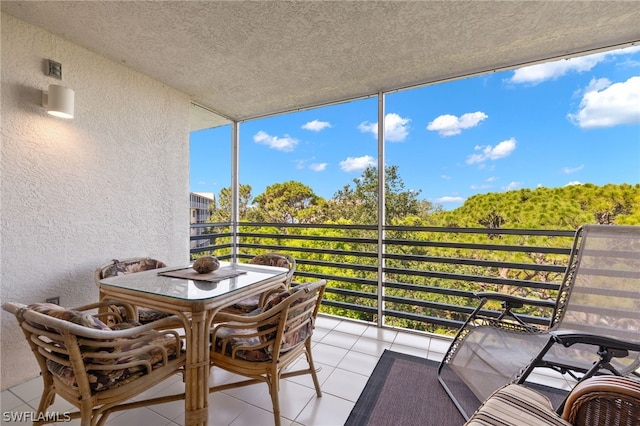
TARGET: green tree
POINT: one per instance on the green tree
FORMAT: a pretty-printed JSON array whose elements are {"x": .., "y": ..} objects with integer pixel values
[
  {"x": 288, "y": 202},
  {"x": 358, "y": 203},
  {"x": 221, "y": 211}
]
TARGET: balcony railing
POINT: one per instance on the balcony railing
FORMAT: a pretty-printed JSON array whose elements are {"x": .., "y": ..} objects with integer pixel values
[{"x": 420, "y": 278}]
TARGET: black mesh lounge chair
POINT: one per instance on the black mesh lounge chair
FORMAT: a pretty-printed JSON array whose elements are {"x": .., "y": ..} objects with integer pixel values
[{"x": 594, "y": 328}]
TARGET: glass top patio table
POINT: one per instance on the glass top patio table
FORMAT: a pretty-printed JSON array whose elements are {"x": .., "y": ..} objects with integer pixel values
[
  {"x": 196, "y": 303},
  {"x": 155, "y": 283}
]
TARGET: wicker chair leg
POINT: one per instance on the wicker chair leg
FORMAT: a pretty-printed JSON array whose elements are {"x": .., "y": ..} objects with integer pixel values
[
  {"x": 312, "y": 368},
  {"x": 86, "y": 414},
  {"x": 275, "y": 400},
  {"x": 47, "y": 399}
]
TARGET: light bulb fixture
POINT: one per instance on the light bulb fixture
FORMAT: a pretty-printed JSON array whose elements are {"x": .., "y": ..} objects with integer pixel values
[{"x": 59, "y": 101}]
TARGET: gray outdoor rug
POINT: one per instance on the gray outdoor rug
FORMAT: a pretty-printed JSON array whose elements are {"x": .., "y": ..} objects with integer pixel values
[{"x": 404, "y": 390}]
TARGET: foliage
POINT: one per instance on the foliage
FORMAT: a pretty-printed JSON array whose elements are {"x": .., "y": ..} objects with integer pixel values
[
  {"x": 548, "y": 208},
  {"x": 430, "y": 273},
  {"x": 359, "y": 203},
  {"x": 288, "y": 202},
  {"x": 221, "y": 211}
]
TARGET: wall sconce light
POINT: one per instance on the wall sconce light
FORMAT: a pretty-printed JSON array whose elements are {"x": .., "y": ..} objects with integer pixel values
[{"x": 59, "y": 101}]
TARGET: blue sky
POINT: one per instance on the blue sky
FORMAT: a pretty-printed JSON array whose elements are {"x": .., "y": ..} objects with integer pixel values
[{"x": 560, "y": 123}]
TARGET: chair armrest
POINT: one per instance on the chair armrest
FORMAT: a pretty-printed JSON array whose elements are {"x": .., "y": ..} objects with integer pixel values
[
  {"x": 104, "y": 310},
  {"x": 101, "y": 304},
  {"x": 602, "y": 398},
  {"x": 514, "y": 301},
  {"x": 571, "y": 337},
  {"x": 264, "y": 297},
  {"x": 92, "y": 333},
  {"x": 224, "y": 317}
]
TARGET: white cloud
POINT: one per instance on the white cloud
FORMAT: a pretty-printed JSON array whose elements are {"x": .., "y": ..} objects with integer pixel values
[
  {"x": 569, "y": 170},
  {"x": 450, "y": 125},
  {"x": 365, "y": 127},
  {"x": 483, "y": 186},
  {"x": 535, "y": 74},
  {"x": 597, "y": 84},
  {"x": 512, "y": 186},
  {"x": 287, "y": 143},
  {"x": 396, "y": 128},
  {"x": 318, "y": 167},
  {"x": 445, "y": 177},
  {"x": 575, "y": 182},
  {"x": 608, "y": 105},
  {"x": 357, "y": 164},
  {"x": 503, "y": 149},
  {"x": 449, "y": 199},
  {"x": 316, "y": 125}
]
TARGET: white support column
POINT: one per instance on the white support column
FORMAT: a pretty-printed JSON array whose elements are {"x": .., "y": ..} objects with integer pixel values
[
  {"x": 381, "y": 206},
  {"x": 235, "y": 188}
]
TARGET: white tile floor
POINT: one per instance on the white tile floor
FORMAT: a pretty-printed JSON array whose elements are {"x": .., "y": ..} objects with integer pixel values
[{"x": 346, "y": 352}]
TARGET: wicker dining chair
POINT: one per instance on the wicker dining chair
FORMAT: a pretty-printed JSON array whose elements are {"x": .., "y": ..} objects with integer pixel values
[
  {"x": 261, "y": 345},
  {"x": 96, "y": 368},
  {"x": 130, "y": 266},
  {"x": 269, "y": 259},
  {"x": 598, "y": 401}
]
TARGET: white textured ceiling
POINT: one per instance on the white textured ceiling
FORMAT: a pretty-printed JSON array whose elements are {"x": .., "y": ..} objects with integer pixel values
[{"x": 246, "y": 59}]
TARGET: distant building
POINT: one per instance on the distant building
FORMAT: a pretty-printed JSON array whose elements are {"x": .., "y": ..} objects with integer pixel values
[{"x": 201, "y": 204}]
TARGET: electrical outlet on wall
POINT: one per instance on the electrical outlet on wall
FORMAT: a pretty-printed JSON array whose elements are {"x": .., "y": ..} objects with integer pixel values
[{"x": 55, "y": 300}]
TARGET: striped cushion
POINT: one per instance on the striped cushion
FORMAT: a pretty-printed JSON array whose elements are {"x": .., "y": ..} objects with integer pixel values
[{"x": 516, "y": 405}]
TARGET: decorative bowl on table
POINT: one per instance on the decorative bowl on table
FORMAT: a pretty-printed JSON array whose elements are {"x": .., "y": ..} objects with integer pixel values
[
  {"x": 206, "y": 264},
  {"x": 205, "y": 285}
]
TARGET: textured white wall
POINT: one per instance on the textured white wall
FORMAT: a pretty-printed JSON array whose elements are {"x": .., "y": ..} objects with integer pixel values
[{"x": 112, "y": 182}]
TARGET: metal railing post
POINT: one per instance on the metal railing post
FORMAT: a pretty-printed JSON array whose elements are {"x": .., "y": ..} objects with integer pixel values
[
  {"x": 235, "y": 189},
  {"x": 381, "y": 208}
]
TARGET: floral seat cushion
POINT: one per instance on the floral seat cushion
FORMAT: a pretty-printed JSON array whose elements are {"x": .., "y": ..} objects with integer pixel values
[
  {"x": 241, "y": 343},
  {"x": 130, "y": 267},
  {"x": 291, "y": 339},
  {"x": 101, "y": 380},
  {"x": 81, "y": 318},
  {"x": 145, "y": 315},
  {"x": 102, "y": 371},
  {"x": 268, "y": 259},
  {"x": 271, "y": 259}
]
